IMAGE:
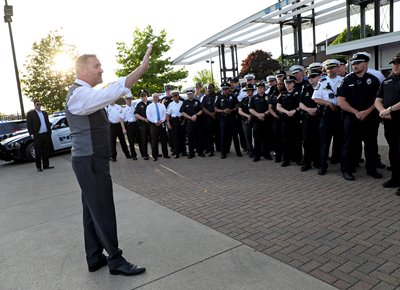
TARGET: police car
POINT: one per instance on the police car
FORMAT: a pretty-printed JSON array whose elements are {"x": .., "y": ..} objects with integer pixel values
[{"x": 20, "y": 147}]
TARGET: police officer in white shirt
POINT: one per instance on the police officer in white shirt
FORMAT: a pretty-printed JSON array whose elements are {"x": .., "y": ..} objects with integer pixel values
[
  {"x": 250, "y": 79},
  {"x": 129, "y": 125},
  {"x": 114, "y": 111},
  {"x": 156, "y": 115},
  {"x": 176, "y": 125}
]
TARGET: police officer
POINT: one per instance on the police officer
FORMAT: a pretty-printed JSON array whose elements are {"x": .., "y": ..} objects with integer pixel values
[
  {"x": 280, "y": 75},
  {"x": 259, "y": 109},
  {"x": 247, "y": 120},
  {"x": 191, "y": 110},
  {"x": 310, "y": 119},
  {"x": 288, "y": 104},
  {"x": 298, "y": 72},
  {"x": 330, "y": 124},
  {"x": 207, "y": 105},
  {"x": 356, "y": 96},
  {"x": 250, "y": 79},
  {"x": 129, "y": 124},
  {"x": 225, "y": 106},
  {"x": 388, "y": 105},
  {"x": 143, "y": 123},
  {"x": 113, "y": 112},
  {"x": 176, "y": 125}
]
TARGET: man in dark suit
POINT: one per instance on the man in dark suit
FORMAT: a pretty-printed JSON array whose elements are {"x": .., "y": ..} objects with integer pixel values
[{"x": 39, "y": 128}]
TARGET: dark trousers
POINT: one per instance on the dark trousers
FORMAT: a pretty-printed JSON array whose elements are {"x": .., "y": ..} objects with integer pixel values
[
  {"x": 291, "y": 139},
  {"x": 392, "y": 135},
  {"x": 144, "y": 133},
  {"x": 260, "y": 140},
  {"x": 247, "y": 128},
  {"x": 192, "y": 134},
  {"x": 330, "y": 125},
  {"x": 225, "y": 134},
  {"x": 99, "y": 221},
  {"x": 42, "y": 144},
  {"x": 158, "y": 133},
  {"x": 132, "y": 132},
  {"x": 311, "y": 140},
  {"x": 178, "y": 136},
  {"x": 356, "y": 131},
  {"x": 210, "y": 134},
  {"x": 277, "y": 139},
  {"x": 116, "y": 132}
]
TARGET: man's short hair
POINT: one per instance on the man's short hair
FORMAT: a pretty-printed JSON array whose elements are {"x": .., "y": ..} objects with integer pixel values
[{"x": 81, "y": 61}]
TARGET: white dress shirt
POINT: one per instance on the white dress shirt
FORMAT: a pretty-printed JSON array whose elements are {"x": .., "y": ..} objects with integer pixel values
[
  {"x": 128, "y": 114},
  {"x": 86, "y": 100},
  {"x": 43, "y": 127},
  {"x": 114, "y": 111},
  {"x": 174, "y": 109},
  {"x": 151, "y": 112},
  {"x": 322, "y": 92}
]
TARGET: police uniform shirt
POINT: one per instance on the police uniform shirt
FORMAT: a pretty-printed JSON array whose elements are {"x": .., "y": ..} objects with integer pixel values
[
  {"x": 360, "y": 93},
  {"x": 327, "y": 88},
  {"x": 306, "y": 95},
  {"x": 151, "y": 112},
  {"x": 128, "y": 114},
  {"x": 389, "y": 91},
  {"x": 113, "y": 112},
  {"x": 174, "y": 108},
  {"x": 245, "y": 106},
  {"x": 141, "y": 109},
  {"x": 209, "y": 102},
  {"x": 167, "y": 101},
  {"x": 289, "y": 101},
  {"x": 299, "y": 86},
  {"x": 191, "y": 107},
  {"x": 259, "y": 103},
  {"x": 242, "y": 94},
  {"x": 226, "y": 102}
]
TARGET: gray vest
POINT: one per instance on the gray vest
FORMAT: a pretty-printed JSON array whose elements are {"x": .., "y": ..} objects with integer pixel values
[{"x": 90, "y": 133}]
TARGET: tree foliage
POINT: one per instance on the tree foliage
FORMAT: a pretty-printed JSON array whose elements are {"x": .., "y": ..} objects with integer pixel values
[
  {"x": 260, "y": 63},
  {"x": 41, "y": 80},
  {"x": 204, "y": 77},
  {"x": 160, "y": 71},
  {"x": 355, "y": 33},
  {"x": 286, "y": 62}
]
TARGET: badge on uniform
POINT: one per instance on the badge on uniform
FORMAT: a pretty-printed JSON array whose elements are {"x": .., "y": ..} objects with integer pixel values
[{"x": 369, "y": 81}]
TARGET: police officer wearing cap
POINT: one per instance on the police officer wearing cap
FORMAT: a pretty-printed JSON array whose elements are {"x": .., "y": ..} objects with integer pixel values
[
  {"x": 129, "y": 126},
  {"x": 288, "y": 104},
  {"x": 310, "y": 119},
  {"x": 330, "y": 124},
  {"x": 259, "y": 109},
  {"x": 250, "y": 79},
  {"x": 271, "y": 80},
  {"x": 207, "y": 106},
  {"x": 143, "y": 123},
  {"x": 114, "y": 111},
  {"x": 247, "y": 120},
  {"x": 298, "y": 72},
  {"x": 191, "y": 110},
  {"x": 176, "y": 125},
  {"x": 280, "y": 75},
  {"x": 356, "y": 95},
  {"x": 388, "y": 105},
  {"x": 226, "y": 106}
]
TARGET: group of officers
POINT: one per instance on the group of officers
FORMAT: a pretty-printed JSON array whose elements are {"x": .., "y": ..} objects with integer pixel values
[{"x": 295, "y": 116}]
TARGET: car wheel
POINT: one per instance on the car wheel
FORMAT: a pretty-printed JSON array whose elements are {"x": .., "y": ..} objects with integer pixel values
[{"x": 30, "y": 152}]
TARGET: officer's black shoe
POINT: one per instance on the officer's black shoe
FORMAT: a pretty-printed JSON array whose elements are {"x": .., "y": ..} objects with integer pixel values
[
  {"x": 154, "y": 158},
  {"x": 397, "y": 192},
  {"x": 202, "y": 155},
  {"x": 305, "y": 168},
  {"x": 39, "y": 169},
  {"x": 191, "y": 156},
  {"x": 348, "y": 176},
  {"x": 391, "y": 183},
  {"x": 184, "y": 154},
  {"x": 256, "y": 159},
  {"x": 239, "y": 154},
  {"x": 285, "y": 163},
  {"x": 145, "y": 157},
  {"x": 211, "y": 154},
  {"x": 98, "y": 265},
  {"x": 223, "y": 156},
  {"x": 268, "y": 157},
  {"x": 322, "y": 171},
  {"x": 374, "y": 174},
  {"x": 176, "y": 156},
  {"x": 128, "y": 156},
  {"x": 134, "y": 158},
  {"x": 167, "y": 157},
  {"x": 128, "y": 269}
]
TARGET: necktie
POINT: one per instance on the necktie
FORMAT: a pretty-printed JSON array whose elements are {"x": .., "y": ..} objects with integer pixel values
[{"x": 158, "y": 113}]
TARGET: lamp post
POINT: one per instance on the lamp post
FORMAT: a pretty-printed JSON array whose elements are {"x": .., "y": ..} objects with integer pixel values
[
  {"x": 212, "y": 74},
  {"x": 8, "y": 13}
]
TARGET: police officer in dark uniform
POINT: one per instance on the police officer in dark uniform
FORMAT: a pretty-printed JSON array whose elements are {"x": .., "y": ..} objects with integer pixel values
[
  {"x": 247, "y": 120},
  {"x": 207, "y": 105},
  {"x": 300, "y": 80},
  {"x": 388, "y": 105},
  {"x": 143, "y": 124},
  {"x": 356, "y": 96},
  {"x": 191, "y": 110},
  {"x": 289, "y": 105},
  {"x": 226, "y": 106},
  {"x": 310, "y": 119},
  {"x": 259, "y": 109},
  {"x": 176, "y": 125}
]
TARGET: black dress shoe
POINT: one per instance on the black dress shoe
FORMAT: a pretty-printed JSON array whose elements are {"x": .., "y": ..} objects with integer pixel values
[
  {"x": 128, "y": 156},
  {"x": 322, "y": 171},
  {"x": 239, "y": 154},
  {"x": 176, "y": 156},
  {"x": 154, "y": 158},
  {"x": 348, "y": 176},
  {"x": 390, "y": 183},
  {"x": 128, "y": 269},
  {"x": 223, "y": 156},
  {"x": 134, "y": 158},
  {"x": 210, "y": 154},
  {"x": 48, "y": 167},
  {"x": 202, "y": 155},
  {"x": 305, "y": 168},
  {"x": 191, "y": 156},
  {"x": 146, "y": 158},
  {"x": 167, "y": 157},
  {"x": 375, "y": 174},
  {"x": 99, "y": 264},
  {"x": 39, "y": 169},
  {"x": 256, "y": 159},
  {"x": 285, "y": 164}
]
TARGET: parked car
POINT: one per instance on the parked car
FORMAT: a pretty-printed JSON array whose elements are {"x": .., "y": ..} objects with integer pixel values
[
  {"x": 20, "y": 146},
  {"x": 9, "y": 128}
]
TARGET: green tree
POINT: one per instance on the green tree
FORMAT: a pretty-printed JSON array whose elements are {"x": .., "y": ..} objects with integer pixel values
[
  {"x": 260, "y": 63},
  {"x": 355, "y": 33},
  {"x": 160, "y": 71},
  {"x": 286, "y": 62},
  {"x": 42, "y": 79},
  {"x": 204, "y": 77}
]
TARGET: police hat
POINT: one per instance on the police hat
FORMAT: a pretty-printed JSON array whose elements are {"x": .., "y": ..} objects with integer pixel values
[
  {"x": 249, "y": 87},
  {"x": 342, "y": 60},
  {"x": 143, "y": 92},
  {"x": 261, "y": 84},
  {"x": 312, "y": 73},
  {"x": 279, "y": 73},
  {"x": 395, "y": 59},
  {"x": 289, "y": 79},
  {"x": 233, "y": 80},
  {"x": 296, "y": 68},
  {"x": 271, "y": 78},
  {"x": 315, "y": 65},
  {"x": 175, "y": 93},
  {"x": 189, "y": 91},
  {"x": 331, "y": 63},
  {"x": 360, "y": 57},
  {"x": 225, "y": 85},
  {"x": 249, "y": 77}
]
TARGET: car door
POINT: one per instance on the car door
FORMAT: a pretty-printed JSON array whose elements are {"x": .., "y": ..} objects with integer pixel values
[{"x": 61, "y": 135}]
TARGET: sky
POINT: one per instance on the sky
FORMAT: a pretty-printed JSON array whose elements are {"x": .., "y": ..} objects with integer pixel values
[{"x": 94, "y": 26}]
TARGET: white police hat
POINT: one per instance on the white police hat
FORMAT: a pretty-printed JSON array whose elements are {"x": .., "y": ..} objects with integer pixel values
[
  {"x": 315, "y": 65},
  {"x": 296, "y": 68},
  {"x": 271, "y": 78},
  {"x": 250, "y": 77},
  {"x": 330, "y": 63}
]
